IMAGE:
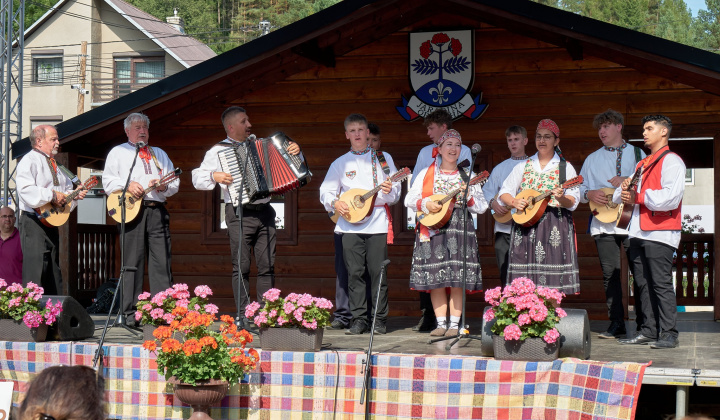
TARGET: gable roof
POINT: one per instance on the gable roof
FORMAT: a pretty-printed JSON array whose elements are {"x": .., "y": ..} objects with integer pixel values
[
  {"x": 350, "y": 24},
  {"x": 187, "y": 50}
]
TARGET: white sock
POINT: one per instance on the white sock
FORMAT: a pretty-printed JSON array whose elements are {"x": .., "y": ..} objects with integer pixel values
[
  {"x": 454, "y": 321},
  {"x": 442, "y": 323}
]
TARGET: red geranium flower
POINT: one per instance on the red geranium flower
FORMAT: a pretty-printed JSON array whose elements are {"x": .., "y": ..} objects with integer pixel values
[
  {"x": 440, "y": 38},
  {"x": 455, "y": 47},
  {"x": 425, "y": 49}
]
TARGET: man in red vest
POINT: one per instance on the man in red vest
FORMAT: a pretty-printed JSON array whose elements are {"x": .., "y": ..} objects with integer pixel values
[{"x": 654, "y": 232}]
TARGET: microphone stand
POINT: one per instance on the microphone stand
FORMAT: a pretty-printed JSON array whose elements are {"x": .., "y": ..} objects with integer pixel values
[
  {"x": 99, "y": 353},
  {"x": 367, "y": 363},
  {"x": 239, "y": 215},
  {"x": 462, "y": 328}
]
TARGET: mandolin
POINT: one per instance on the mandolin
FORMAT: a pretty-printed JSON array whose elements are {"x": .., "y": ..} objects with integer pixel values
[
  {"x": 361, "y": 202},
  {"x": 625, "y": 212},
  {"x": 502, "y": 218},
  {"x": 606, "y": 213},
  {"x": 51, "y": 215},
  {"x": 132, "y": 204},
  {"x": 437, "y": 220},
  {"x": 537, "y": 202}
]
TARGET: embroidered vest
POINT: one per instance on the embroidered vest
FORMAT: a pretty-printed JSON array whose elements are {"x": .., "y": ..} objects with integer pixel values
[
  {"x": 657, "y": 220},
  {"x": 542, "y": 182}
]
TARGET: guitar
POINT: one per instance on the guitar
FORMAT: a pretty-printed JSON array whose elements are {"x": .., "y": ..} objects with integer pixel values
[
  {"x": 609, "y": 212},
  {"x": 626, "y": 212},
  {"x": 537, "y": 203},
  {"x": 53, "y": 216},
  {"x": 361, "y": 202},
  {"x": 132, "y": 204},
  {"x": 502, "y": 218},
  {"x": 437, "y": 220}
]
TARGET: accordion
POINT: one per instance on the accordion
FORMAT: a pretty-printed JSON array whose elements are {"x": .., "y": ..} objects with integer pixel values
[{"x": 269, "y": 168}]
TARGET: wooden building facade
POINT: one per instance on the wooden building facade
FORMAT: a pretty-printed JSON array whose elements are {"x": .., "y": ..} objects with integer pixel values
[{"x": 531, "y": 62}]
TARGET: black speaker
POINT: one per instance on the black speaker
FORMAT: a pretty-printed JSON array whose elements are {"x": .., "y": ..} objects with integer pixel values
[
  {"x": 574, "y": 332},
  {"x": 73, "y": 323}
]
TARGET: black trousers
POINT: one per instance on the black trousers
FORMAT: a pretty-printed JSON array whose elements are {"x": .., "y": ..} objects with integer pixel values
[
  {"x": 362, "y": 251},
  {"x": 609, "y": 248},
  {"x": 656, "y": 292},
  {"x": 41, "y": 254},
  {"x": 147, "y": 236},
  {"x": 258, "y": 239},
  {"x": 502, "y": 255},
  {"x": 342, "y": 298}
]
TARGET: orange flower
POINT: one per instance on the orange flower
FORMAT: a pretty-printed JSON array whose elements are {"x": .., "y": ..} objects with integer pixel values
[
  {"x": 179, "y": 311},
  {"x": 191, "y": 347},
  {"x": 227, "y": 319},
  {"x": 150, "y": 345},
  {"x": 162, "y": 332},
  {"x": 254, "y": 354},
  {"x": 208, "y": 341},
  {"x": 175, "y": 325},
  {"x": 171, "y": 345}
]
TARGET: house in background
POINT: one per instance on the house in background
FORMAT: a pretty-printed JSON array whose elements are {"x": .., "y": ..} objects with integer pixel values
[{"x": 83, "y": 54}]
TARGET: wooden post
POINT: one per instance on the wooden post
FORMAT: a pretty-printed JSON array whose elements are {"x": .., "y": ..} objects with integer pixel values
[
  {"x": 83, "y": 61},
  {"x": 68, "y": 239}
]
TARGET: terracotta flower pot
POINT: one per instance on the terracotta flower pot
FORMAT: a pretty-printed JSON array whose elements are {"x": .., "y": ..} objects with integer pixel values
[
  {"x": 531, "y": 349},
  {"x": 200, "y": 396}
]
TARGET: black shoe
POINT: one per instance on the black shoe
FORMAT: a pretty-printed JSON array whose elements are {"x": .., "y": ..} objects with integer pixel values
[
  {"x": 666, "y": 341},
  {"x": 616, "y": 329},
  {"x": 358, "y": 327},
  {"x": 637, "y": 339},
  {"x": 427, "y": 323},
  {"x": 130, "y": 321},
  {"x": 380, "y": 327},
  {"x": 337, "y": 325},
  {"x": 244, "y": 324}
]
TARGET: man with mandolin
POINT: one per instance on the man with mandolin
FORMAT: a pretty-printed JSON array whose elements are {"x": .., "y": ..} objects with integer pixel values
[
  {"x": 603, "y": 171},
  {"x": 542, "y": 243},
  {"x": 516, "y": 141},
  {"x": 437, "y": 262},
  {"x": 149, "y": 232},
  {"x": 41, "y": 181},
  {"x": 654, "y": 231},
  {"x": 357, "y": 185}
]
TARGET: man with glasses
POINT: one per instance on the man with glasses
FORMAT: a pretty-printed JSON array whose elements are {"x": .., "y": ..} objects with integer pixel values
[{"x": 11, "y": 256}]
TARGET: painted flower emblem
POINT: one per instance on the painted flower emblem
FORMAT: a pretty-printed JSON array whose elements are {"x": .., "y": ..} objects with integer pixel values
[{"x": 440, "y": 38}]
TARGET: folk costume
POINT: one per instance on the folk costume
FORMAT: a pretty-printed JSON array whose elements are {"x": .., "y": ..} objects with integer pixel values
[
  {"x": 438, "y": 254},
  {"x": 599, "y": 167},
  {"x": 364, "y": 243},
  {"x": 547, "y": 251},
  {"x": 258, "y": 227},
  {"x": 38, "y": 175},
  {"x": 501, "y": 230},
  {"x": 654, "y": 231},
  {"x": 149, "y": 232}
]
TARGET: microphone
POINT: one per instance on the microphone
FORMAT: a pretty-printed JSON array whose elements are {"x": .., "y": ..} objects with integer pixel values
[
  {"x": 251, "y": 137},
  {"x": 140, "y": 145},
  {"x": 475, "y": 149}
]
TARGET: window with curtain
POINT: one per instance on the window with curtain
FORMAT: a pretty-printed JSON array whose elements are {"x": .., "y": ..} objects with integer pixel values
[
  {"x": 133, "y": 73},
  {"x": 47, "y": 69}
]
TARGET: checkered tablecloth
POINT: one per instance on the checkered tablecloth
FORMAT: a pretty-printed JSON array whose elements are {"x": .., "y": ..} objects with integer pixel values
[{"x": 328, "y": 384}]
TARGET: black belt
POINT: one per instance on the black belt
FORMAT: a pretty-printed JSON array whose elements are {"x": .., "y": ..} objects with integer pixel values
[
  {"x": 150, "y": 203},
  {"x": 255, "y": 207}
]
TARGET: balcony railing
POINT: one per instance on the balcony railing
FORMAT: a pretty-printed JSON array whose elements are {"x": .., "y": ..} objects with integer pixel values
[
  {"x": 106, "y": 90},
  {"x": 693, "y": 270}
]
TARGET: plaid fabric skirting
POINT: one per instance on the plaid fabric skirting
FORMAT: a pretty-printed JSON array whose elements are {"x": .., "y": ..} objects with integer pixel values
[
  {"x": 439, "y": 262},
  {"x": 546, "y": 252}
]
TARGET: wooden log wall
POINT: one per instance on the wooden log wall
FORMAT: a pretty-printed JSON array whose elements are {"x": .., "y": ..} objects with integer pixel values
[{"x": 523, "y": 80}]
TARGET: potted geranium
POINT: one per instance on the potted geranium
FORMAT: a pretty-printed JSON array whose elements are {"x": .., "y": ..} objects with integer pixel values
[
  {"x": 158, "y": 310},
  {"x": 293, "y": 323},
  {"x": 201, "y": 362},
  {"x": 22, "y": 316},
  {"x": 525, "y": 318}
]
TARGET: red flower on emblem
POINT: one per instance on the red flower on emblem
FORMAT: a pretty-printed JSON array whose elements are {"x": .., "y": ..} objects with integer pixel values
[
  {"x": 455, "y": 47},
  {"x": 440, "y": 38},
  {"x": 425, "y": 49}
]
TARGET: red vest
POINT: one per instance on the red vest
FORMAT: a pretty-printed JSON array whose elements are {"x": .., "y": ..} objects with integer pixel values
[{"x": 652, "y": 180}]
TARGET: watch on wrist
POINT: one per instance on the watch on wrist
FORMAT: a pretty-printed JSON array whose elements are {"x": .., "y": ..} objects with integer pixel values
[{"x": 585, "y": 195}]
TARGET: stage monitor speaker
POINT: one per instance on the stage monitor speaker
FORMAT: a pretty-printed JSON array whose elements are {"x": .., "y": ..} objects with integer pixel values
[
  {"x": 73, "y": 323},
  {"x": 574, "y": 332}
]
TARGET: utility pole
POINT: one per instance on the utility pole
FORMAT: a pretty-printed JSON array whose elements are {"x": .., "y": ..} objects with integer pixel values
[
  {"x": 12, "y": 26},
  {"x": 81, "y": 91}
]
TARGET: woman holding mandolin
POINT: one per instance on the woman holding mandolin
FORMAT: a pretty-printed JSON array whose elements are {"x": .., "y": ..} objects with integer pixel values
[
  {"x": 542, "y": 243},
  {"x": 437, "y": 258}
]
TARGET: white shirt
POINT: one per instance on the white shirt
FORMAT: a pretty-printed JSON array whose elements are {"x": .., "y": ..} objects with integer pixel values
[
  {"x": 512, "y": 182},
  {"x": 415, "y": 193},
  {"x": 355, "y": 171},
  {"x": 117, "y": 167},
  {"x": 34, "y": 181},
  {"x": 202, "y": 177},
  {"x": 665, "y": 199},
  {"x": 597, "y": 170},
  {"x": 425, "y": 158},
  {"x": 493, "y": 184}
]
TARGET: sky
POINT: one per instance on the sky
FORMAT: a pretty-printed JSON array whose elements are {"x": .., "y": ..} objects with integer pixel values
[{"x": 695, "y": 5}]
